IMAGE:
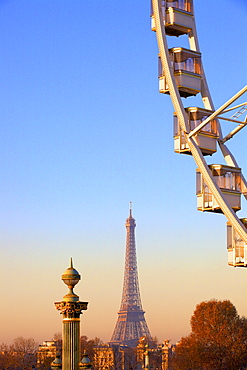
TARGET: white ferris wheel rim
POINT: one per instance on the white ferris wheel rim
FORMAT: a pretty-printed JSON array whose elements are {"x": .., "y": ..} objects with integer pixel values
[{"x": 183, "y": 120}]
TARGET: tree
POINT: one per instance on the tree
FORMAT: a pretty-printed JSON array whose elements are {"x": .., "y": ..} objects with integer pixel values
[
  {"x": 24, "y": 351},
  {"x": 187, "y": 354},
  {"x": 89, "y": 345},
  {"x": 218, "y": 339},
  {"x": 20, "y": 355},
  {"x": 6, "y": 358},
  {"x": 57, "y": 338}
]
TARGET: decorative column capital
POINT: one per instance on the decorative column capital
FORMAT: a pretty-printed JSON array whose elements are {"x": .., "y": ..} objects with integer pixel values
[{"x": 71, "y": 310}]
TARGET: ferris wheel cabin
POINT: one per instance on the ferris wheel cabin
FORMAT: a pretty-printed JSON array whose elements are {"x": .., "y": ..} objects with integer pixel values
[
  {"x": 186, "y": 65},
  {"x": 236, "y": 247},
  {"x": 229, "y": 181},
  {"x": 206, "y": 138},
  {"x": 178, "y": 17}
]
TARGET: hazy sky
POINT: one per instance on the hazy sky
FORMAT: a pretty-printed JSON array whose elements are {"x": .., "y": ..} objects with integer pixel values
[{"x": 84, "y": 131}]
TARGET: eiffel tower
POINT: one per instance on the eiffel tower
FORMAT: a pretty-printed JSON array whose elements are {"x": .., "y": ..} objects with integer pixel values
[{"x": 131, "y": 323}]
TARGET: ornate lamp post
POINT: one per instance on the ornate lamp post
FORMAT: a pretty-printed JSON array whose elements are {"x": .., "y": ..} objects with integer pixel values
[
  {"x": 57, "y": 363},
  {"x": 146, "y": 358},
  {"x": 71, "y": 309},
  {"x": 85, "y": 363}
]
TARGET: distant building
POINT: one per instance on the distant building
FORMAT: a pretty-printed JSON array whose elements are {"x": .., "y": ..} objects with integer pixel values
[
  {"x": 103, "y": 358},
  {"x": 114, "y": 357},
  {"x": 47, "y": 352},
  {"x": 121, "y": 357}
]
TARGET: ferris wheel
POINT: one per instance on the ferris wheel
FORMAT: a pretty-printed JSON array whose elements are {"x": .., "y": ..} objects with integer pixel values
[{"x": 197, "y": 130}]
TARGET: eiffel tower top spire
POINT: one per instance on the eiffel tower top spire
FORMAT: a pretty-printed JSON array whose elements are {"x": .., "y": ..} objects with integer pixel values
[
  {"x": 130, "y": 208},
  {"x": 131, "y": 324}
]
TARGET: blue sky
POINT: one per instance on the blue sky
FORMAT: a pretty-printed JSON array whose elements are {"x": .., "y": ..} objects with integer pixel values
[{"x": 84, "y": 131}]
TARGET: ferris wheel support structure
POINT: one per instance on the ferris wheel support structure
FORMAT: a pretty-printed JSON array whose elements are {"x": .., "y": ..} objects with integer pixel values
[{"x": 158, "y": 17}]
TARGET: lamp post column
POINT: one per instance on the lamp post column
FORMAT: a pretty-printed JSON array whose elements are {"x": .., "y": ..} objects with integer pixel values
[{"x": 71, "y": 309}]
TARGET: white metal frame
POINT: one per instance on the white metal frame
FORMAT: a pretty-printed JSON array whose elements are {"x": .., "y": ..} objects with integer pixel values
[{"x": 158, "y": 19}]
